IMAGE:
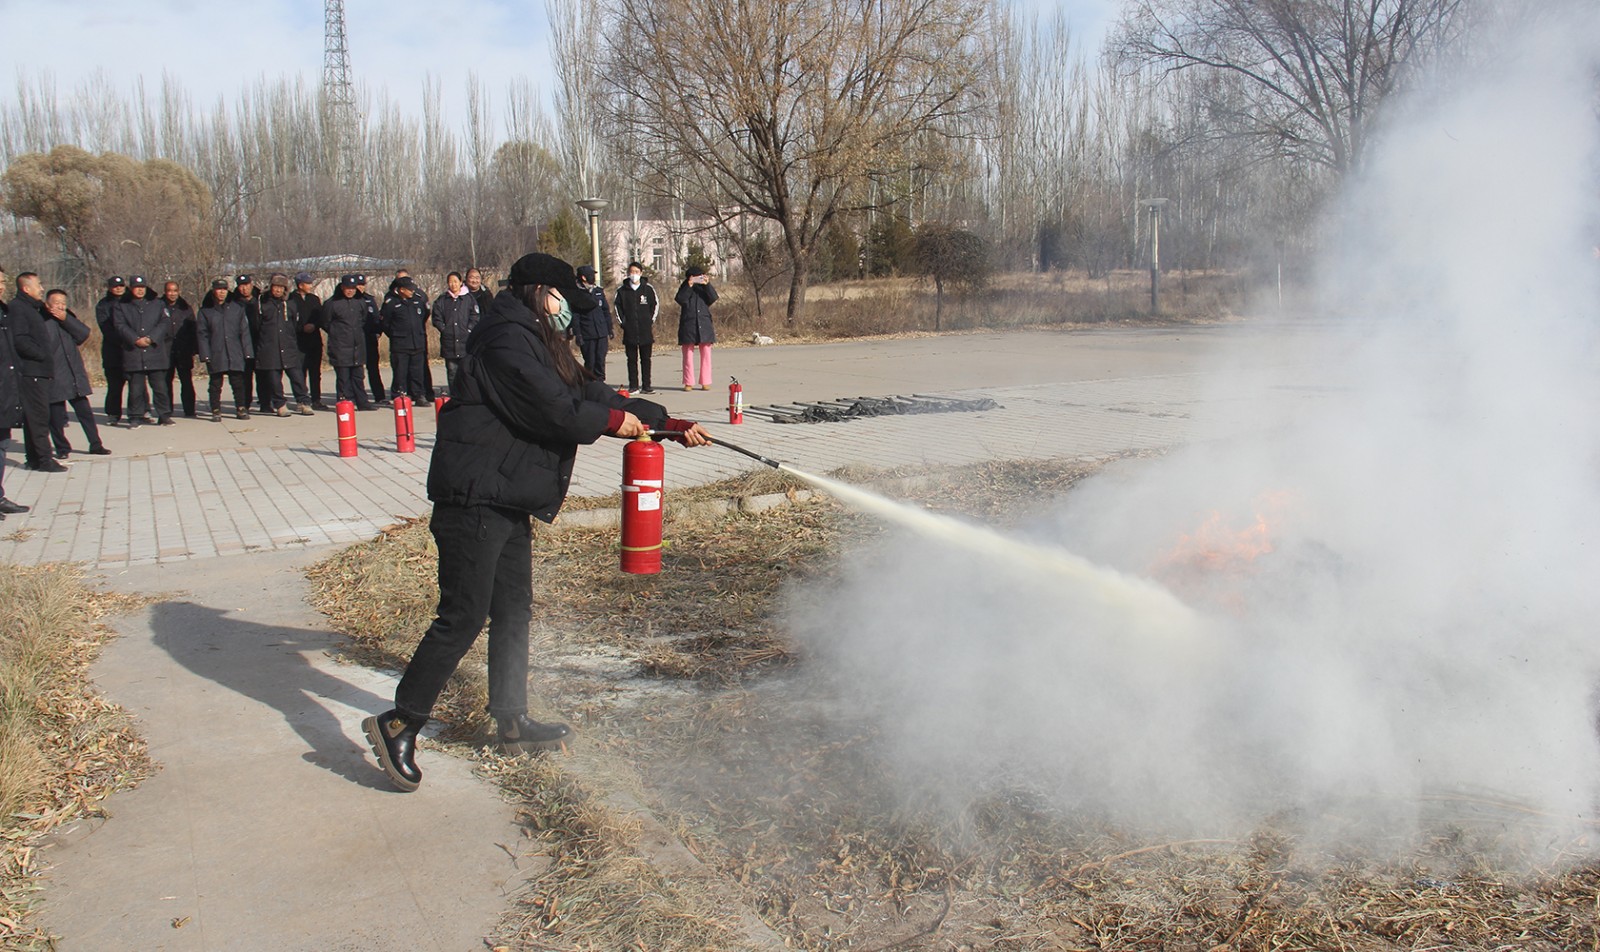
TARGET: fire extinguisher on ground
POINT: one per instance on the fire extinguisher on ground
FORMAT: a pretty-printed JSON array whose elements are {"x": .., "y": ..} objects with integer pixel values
[
  {"x": 405, "y": 433},
  {"x": 735, "y": 402},
  {"x": 643, "y": 467},
  {"x": 345, "y": 413}
]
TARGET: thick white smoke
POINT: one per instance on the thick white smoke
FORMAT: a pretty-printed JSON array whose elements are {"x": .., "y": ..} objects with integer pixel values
[{"x": 1428, "y": 615}]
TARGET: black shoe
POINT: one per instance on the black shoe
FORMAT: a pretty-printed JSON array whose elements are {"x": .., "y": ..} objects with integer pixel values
[
  {"x": 167, "y": 421},
  {"x": 9, "y": 508},
  {"x": 189, "y": 414},
  {"x": 216, "y": 416},
  {"x": 521, "y": 735},
  {"x": 366, "y": 406},
  {"x": 63, "y": 454},
  {"x": 319, "y": 405},
  {"x": 45, "y": 466},
  {"x": 99, "y": 449},
  {"x": 241, "y": 414},
  {"x": 114, "y": 421},
  {"x": 393, "y": 737}
]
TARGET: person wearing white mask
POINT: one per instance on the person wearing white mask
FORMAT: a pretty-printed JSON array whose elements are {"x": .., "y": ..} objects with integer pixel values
[{"x": 636, "y": 307}]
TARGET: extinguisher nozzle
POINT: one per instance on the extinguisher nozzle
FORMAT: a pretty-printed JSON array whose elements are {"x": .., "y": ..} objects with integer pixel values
[{"x": 766, "y": 461}]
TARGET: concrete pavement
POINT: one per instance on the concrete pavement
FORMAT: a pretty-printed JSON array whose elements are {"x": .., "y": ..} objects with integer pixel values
[{"x": 269, "y": 827}]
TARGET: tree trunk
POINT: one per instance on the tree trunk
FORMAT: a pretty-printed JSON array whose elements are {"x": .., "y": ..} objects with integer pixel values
[
  {"x": 938, "y": 303},
  {"x": 797, "y": 296}
]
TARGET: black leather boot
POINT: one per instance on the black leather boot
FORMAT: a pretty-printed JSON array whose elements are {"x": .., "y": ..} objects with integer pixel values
[
  {"x": 522, "y": 735},
  {"x": 393, "y": 737}
]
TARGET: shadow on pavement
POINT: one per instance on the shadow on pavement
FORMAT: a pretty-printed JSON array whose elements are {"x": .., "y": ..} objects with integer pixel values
[{"x": 269, "y": 664}]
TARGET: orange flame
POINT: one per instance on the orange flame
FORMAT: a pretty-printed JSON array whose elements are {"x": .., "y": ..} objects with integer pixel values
[{"x": 1217, "y": 547}]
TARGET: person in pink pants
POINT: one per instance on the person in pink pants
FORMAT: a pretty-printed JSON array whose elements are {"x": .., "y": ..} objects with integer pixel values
[{"x": 695, "y": 331}]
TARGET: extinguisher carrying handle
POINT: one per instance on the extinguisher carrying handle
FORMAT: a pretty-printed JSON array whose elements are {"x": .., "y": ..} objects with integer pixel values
[{"x": 678, "y": 437}]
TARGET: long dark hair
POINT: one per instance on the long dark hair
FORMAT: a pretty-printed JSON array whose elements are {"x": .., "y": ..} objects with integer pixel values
[{"x": 572, "y": 373}]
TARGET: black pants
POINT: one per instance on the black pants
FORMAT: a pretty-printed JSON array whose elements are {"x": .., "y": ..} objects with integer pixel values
[
  {"x": 347, "y": 380},
  {"x": 182, "y": 371},
  {"x": 427, "y": 378},
  {"x": 311, "y": 366},
  {"x": 139, "y": 399},
  {"x": 271, "y": 386},
  {"x": 638, "y": 365},
  {"x": 374, "y": 376},
  {"x": 116, "y": 382},
  {"x": 408, "y": 376},
  {"x": 58, "y": 423},
  {"x": 594, "y": 354},
  {"x": 451, "y": 368},
  {"x": 35, "y": 393},
  {"x": 485, "y": 571},
  {"x": 249, "y": 381},
  {"x": 241, "y": 394}
]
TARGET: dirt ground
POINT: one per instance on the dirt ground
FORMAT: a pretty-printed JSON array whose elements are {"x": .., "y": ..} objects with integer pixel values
[{"x": 688, "y": 683}]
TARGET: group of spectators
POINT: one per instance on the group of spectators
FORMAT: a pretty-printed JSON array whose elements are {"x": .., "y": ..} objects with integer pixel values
[{"x": 251, "y": 337}]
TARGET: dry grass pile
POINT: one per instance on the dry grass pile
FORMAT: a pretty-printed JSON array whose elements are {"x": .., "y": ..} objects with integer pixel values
[{"x": 63, "y": 748}]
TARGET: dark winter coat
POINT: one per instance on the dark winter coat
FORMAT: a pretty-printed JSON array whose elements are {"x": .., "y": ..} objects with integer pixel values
[
  {"x": 110, "y": 343},
  {"x": 484, "y": 297},
  {"x": 34, "y": 342},
  {"x": 510, "y": 433},
  {"x": 455, "y": 317},
  {"x": 223, "y": 334},
  {"x": 150, "y": 318},
  {"x": 276, "y": 322},
  {"x": 308, "y": 310},
  {"x": 636, "y": 312},
  {"x": 10, "y": 389},
  {"x": 594, "y": 324},
  {"x": 694, "y": 313},
  {"x": 346, "y": 319},
  {"x": 184, "y": 343},
  {"x": 406, "y": 323},
  {"x": 71, "y": 378}
]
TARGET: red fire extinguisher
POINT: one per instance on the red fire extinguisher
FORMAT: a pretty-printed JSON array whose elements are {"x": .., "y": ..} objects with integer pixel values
[
  {"x": 405, "y": 433},
  {"x": 345, "y": 411},
  {"x": 643, "y": 466},
  {"x": 623, "y": 393},
  {"x": 438, "y": 403},
  {"x": 735, "y": 402}
]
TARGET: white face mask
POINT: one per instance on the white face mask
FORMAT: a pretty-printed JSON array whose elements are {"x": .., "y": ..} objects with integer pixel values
[{"x": 634, "y": 279}]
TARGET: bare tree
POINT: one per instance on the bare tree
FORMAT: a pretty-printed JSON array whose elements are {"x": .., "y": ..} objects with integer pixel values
[
  {"x": 1305, "y": 78},
  {"x": 784, "y": 109}
]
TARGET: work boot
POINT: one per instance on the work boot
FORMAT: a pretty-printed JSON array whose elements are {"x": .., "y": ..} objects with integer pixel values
[
  {"x": 216, "y": 416},
  {"x": 282, "y": 411},
  {"x": 523, "y": 735},
  {"x": 393, "y": 737},
  {"x": 241, "y": 414},
  {"x": 304, "y": 410}
]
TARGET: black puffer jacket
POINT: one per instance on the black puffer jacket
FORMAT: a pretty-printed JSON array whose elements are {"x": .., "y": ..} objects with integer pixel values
[
  {"x": 406, "y": 323},
  {"x": 110, "y": 343},
  {"x": 10, "y": 392},
  {"x": 71, "y": 378},
  {"x": 636, "y": 312},
  {"x": 308, "y": 311},
  {"x": 345, "y": 320},
  {"x": 276, "y": 323},
  {"x": 455, "y": 317},
  {"x": 184, "y": 343},
  {"x": 510, "y": 433},
  {"x": 223, "y": 332},
  {"x": 146, "y": 317},
  {"x": 35, "y": 343},
  {"x": 694, "y": 313}
]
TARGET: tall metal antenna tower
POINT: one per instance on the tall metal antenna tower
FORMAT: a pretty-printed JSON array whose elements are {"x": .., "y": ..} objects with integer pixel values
[{"x": 338, "y": 92}]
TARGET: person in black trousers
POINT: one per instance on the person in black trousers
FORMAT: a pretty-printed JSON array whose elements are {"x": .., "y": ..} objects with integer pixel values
[
  {"x": 145, "y": 326},
  {"x": 594, "y": 329},
  {"x": 111, "y": 348},
  {"x": 405, "y": 320},
  {"x": 455, "y": 313},
  {"x": 371, "y": 330},
  {"x": 222, "y": 334},
  {"x": 504, "y": 454},
  {"x": 10, "y": 399},
  {"x": 637, "y": 305},
  {"x": 308, "y": 335},
  {"x": 35, "y": 368},
  {"x": 247, "y": 294},
  {"x": 277, "y": 353},
  {"x": 70, "y": 382},
  {"x": 344, "y": 317},
  {"x": 184, "y": 348}
]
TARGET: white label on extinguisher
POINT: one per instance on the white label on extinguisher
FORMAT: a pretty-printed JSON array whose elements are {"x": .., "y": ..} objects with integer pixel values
[
  {"x": 656, "y": 483},
  {"x": 738, "y": 398},
  {"x": 649, "y": 501},
  {"x": 343, "y": 417}
]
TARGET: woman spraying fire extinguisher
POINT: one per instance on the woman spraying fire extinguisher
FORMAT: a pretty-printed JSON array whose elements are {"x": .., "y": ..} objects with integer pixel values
[{"x": 504, "y": 453}]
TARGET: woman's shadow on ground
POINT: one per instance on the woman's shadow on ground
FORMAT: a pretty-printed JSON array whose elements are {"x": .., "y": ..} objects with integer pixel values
[{"x": 271, "y": 665}]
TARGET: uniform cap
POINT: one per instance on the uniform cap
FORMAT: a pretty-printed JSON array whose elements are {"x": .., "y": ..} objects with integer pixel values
[
  {"x": 304, "y": 277},
  {"x": 243, "y": 279},
  {"x": 116, "y": 282},
  {"x": 219, "y": 285},
  {"x": 137, "y": 281}
]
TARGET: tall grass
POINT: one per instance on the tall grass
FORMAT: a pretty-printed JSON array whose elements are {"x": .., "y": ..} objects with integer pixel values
[{"x": 63, "y": 748}]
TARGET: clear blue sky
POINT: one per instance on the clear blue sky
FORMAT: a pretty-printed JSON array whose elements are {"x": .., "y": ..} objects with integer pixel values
[{"x": 215, "y": 49}]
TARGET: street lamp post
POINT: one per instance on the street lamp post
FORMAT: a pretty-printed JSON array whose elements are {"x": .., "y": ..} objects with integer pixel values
[
  {"x": 594, "y": 206},
  {"x": 261, "y": 249},
  {"x": 1155, "y": 205}
]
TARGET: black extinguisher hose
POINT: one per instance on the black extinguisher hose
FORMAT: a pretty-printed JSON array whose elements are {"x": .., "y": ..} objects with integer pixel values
[{"x": 670, "y": 435}]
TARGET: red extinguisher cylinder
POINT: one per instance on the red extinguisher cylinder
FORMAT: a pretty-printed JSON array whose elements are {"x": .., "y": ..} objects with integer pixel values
[
  {"x": 438, "y": 403},
  {"x": 735, "y": 402},
  {"x": 643, "y": 467},
  {"x": 345, "y": 412},
  {"x": 405, "y": 431}
]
